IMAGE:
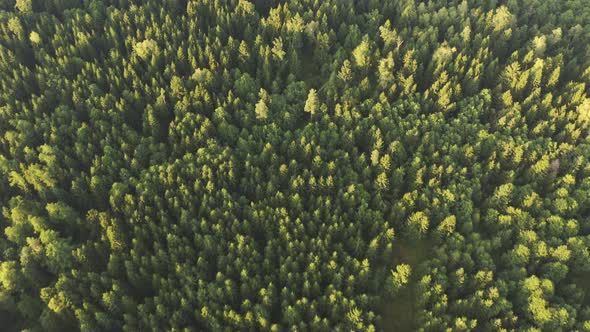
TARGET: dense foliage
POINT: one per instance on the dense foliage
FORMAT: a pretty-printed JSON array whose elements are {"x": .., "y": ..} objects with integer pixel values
[{"x": 328, "y": 165}]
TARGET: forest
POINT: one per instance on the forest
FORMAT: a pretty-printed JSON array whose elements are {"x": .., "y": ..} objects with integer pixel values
[{"x": 294, "y": 165}]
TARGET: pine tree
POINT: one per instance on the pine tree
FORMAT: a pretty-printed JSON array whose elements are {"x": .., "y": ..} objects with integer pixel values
[
  {"x": 24, "y": 6},
  {"x": 345, "y": 72},
  {"x": 261, "y": 110},
  {"x": 312, "y": 103}
]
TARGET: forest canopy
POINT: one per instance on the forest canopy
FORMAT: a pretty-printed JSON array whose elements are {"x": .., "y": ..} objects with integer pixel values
[{"x": 299, "y": 165}]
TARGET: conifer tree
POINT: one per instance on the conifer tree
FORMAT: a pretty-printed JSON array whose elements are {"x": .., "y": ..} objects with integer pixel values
[{"x": 312, "y": 103}]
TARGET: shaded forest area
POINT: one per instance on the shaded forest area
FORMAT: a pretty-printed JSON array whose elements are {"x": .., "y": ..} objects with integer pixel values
[{"x": 337, "y": 165}]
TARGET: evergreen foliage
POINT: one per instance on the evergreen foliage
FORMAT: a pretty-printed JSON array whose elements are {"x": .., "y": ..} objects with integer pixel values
[{"x": 234, "y": 165}]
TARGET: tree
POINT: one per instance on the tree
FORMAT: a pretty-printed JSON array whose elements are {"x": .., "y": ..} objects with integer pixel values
[
  {"x": 24, "y": 6},
  {"x": 400, "y": 277},
  {"x": 177, "y": 87},
  {"x": 502, "y": 18},
  {"x": 447, "y": 226},
  {"x": 345, "y": 72},
  {"x": 34, "y": 38},
  {"x": 145, "y": 49},
  {"x": 382, "y": 181},
  {"x": 9, "y": 276},
  {"x": 417, "y": 225},
  {"x": 389, "y": 35},
  {"x": 277, "y": 49},
  {"x": 261, "y": 110},
  {"x": 312, "y": 103},
  {"x": 535, "y": 289},
  {"x": 386, "y": 72},
  {"x": 362, "y": 54},
  {"x": 15, "y": 26}
]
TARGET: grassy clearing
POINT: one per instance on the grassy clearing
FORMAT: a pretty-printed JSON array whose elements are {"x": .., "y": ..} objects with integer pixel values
[{"x": 399, "y": 314}]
